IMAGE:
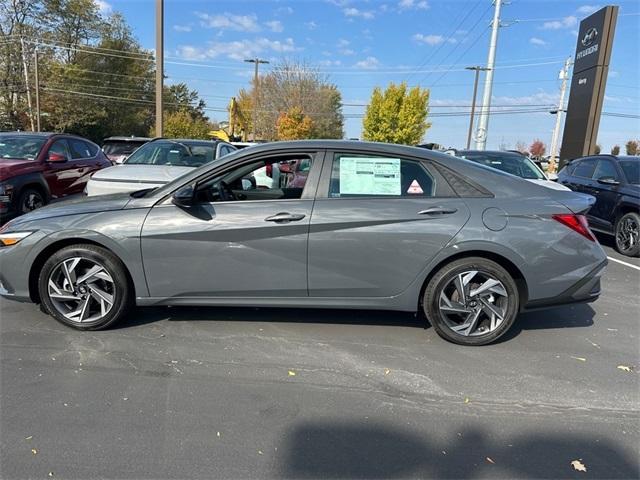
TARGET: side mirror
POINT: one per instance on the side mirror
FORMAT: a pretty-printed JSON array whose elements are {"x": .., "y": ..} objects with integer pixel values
[
  {"x": 184, "y": 196},
  {"x": 56, "y": 158},
  {"x": 608, "y": 181}
]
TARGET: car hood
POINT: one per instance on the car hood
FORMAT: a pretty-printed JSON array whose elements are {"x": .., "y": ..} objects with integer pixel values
[
  {"x": 550, "y": 184},
  {"x": 76, "y": 206},
  {"x": 156, "y": 174},
  {"x": 11, "y": 167}
]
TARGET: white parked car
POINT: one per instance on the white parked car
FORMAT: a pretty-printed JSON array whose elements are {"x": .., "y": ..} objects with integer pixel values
[
  {"x": 510, "y": 162},
  {"x": 155, "y": 164}
]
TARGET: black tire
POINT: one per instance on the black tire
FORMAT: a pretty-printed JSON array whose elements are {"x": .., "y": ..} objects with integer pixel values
[
  {"x": 121, "y": 292},
  {"x": 627, "y": 234},
  {"x": 443, "y": 279},
  {"x": 30, "y": 199}
]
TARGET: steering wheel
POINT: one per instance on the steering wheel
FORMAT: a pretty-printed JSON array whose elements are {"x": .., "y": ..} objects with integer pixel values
[{"x": 225, "y": 192}]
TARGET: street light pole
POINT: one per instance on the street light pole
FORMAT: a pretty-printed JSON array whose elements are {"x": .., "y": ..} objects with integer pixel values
[
  {"x": 473, "y": 102},
  {"x": 483, "y": 122},
  {"x": 564, "y": 75},
  {"x": 256, "y": 61},
  {"x": 159, "y": 65}
]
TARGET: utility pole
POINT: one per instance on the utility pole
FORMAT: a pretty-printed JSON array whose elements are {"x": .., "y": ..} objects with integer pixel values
[
  {"x": 473, "y": 102},
  {"x": 483, "y": 122},
  {"x": 37, "y": 87},
  {"x": 564, "y": 76},
  {"x": 159, "y": 65},
  {"x": 26, "y": 82},
  {"x": 257, "y": 61}
]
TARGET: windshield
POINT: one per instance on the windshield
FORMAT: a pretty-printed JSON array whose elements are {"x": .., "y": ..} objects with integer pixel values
[
  {"x": 172, "y": 153},
  {"x": 120, "y": 148},
  {"x": 21, "y": 147},
  {"x": 514, "y": 164},
  {"x": 631, "y": 170}
]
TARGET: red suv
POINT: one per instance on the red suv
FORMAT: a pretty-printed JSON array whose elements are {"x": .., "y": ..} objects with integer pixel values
[{"x": 38, "y": 167}]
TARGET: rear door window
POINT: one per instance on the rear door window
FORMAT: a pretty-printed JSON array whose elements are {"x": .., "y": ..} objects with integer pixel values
[
  {"x": 60, "y": 147},
  {"x": 605, "y": 169},
  {"x": 361, "y": 175},
  {"x": 79, "y": 149}
]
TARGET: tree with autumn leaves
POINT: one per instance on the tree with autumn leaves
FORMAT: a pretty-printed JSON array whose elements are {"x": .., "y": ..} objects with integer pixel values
[
  {"x": 294, "y": 125},
  {"x": 397, "y": 115}
]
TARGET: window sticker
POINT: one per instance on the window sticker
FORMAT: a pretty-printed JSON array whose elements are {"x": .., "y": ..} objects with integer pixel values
[
  {"x": 415, "y": 188},
  {"x": 370, "y": 176}
]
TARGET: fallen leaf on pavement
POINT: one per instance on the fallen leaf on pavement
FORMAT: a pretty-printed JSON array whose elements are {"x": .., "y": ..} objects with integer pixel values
[
  {"x": 624, "y": 368},
  {"x": 260, "y": 452},
  {"x": 578, "y": 466},
  {"x": 51, "y": 474},
  {"x": 34, "y": 451},
  {"x": 29, "y": 437},
  {"x": 218, "y": 434},
  {"x": 292, "y": 373},
  {"x": 582, "y": 359},
  {"x": 490, "y": 460},
  {"x": 387, "y": 371},
  {"x": 466, "y": 400}
]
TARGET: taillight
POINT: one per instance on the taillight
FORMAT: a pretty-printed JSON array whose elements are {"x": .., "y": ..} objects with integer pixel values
[{"x": 577, "y": 223}]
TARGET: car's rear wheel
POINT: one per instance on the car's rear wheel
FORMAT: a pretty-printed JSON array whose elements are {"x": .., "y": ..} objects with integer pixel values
[
  {"x": 628, "y": 234},
  {"x": 471, "y": 301},
  {"x": 30, "y": 199},
  {"x": 85, "y": 287}
]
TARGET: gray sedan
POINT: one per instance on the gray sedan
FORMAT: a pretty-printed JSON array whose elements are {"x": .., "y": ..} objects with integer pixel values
[{"x": 362, "y": 225}]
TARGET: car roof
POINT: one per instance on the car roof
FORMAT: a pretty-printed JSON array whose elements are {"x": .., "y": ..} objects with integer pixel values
[
  {"x": 191, "y": 141},
  {"x": 506, "y": 153},
  {"x": 44, "y": 135},
  {"x": 127, "y": 139},
  {"x": 608, "y": 155}
]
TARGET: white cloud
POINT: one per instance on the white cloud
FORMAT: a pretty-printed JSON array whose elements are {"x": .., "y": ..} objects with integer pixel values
[
  {"x": 182, "y": 28},
  {"x": 229, "y": 21},
  {"x": 413, "y": 4},
  {"x": 343, "y": 43},
  {"x": 538, "y": 98},
  {"x": 311, "y": 25},
  {"x": 369, "y": 63},
  {"x": 104, "y": 7},
  {"x": 274, "y": 25},
  {"x": 354, "y": 12},
  {"x": 566, "y": 22},
  {"x": 588, "y": 9},
  {"x": 284, "y": 10},
  {"x": 429, "y": 39},
  {"x": 237, "y": 50},
  {"x": 537, "y": 41},
  {"x": 347, "y": 52},
  {"x": 614, "y": 73},
  {"x": 330, "y": 63}
]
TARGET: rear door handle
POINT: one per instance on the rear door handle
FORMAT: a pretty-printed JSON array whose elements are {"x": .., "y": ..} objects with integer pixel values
[
  {"x": 285, "y": 217},
  {"x": 438, "y": 211}
]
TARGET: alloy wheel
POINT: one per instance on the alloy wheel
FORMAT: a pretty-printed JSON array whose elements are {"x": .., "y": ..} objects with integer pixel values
[
  {"x": 81, "y": 290},
  {"x": 473, "y": 303},
  {"x": 31, "y": 201},
  {"x": 628, "y": 234}
]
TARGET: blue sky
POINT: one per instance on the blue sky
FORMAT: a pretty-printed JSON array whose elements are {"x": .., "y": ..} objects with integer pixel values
[{"x": 361, "y": 44}]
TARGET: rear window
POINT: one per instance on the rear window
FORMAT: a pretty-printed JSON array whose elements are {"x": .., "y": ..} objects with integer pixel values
[
  {"x": 631, "y": 169},
  {"x": 173, "y": 153},
  {"x": 121, "y": 147},
  {"x": 517, "y": 165}
]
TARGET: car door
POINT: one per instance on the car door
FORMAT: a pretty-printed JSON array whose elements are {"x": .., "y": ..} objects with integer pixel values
[
  {"x": 580, "y": 179},
  {"x": 244, "y": 236},
  {"x": 377, "y": 222},
  {"x": 605, "y": 187},
  {"x": 84, "y": 158},
  {"x": 62, "y": 177}
]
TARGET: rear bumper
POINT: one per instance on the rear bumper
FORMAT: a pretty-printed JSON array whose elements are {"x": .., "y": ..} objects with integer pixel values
[{"x": 585, "y": 290}]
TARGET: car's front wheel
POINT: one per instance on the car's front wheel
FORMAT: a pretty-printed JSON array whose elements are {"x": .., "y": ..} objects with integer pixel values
[
  {"x": 471, "y": 301},
  {"x": 85, "y": 287},
  {"x": 628, "y": 234}
]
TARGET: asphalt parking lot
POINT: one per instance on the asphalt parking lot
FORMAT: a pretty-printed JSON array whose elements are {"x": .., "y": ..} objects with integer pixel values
[{"x": 247, "y": 393}]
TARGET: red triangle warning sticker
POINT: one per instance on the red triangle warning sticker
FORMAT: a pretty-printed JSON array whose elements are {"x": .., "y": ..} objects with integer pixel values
[{"x": 415, "y": 188}]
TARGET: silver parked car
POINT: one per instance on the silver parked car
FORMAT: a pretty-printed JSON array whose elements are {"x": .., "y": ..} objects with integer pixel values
[{"x": 367, "y": 225}]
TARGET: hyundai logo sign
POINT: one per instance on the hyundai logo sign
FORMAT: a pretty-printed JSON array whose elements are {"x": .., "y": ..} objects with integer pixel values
[{"x": 589, "y": 37}]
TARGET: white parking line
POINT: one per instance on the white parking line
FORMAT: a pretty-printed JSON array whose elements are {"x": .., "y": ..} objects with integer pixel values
[{"x": 623, "y": 263}]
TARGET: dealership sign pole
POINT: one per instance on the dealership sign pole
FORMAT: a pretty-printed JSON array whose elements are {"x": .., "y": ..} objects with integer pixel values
[{"x": 590, "y": 70}]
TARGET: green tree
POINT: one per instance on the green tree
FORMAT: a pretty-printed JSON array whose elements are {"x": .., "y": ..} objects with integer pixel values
[
  {"x": 294, "y": 125},
  {"x": 181, "y": 124},
  {"x": 631, "y": 147},
  {"x": 615, "y": 150},
  {"x": 397, "y": 115}
]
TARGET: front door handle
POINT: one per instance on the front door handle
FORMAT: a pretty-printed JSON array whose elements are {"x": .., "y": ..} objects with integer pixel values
[
  {"x": 438, "y": 211},
  {"x": 285, "y": 217}
]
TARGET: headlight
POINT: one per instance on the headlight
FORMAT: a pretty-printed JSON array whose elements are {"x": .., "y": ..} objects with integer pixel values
[{"x": 8, "y": 239}]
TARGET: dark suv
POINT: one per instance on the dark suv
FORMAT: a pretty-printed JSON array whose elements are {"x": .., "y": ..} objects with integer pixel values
[
  {"x": 615, "y": 182},
  {"x": 38, "y": 167}
]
